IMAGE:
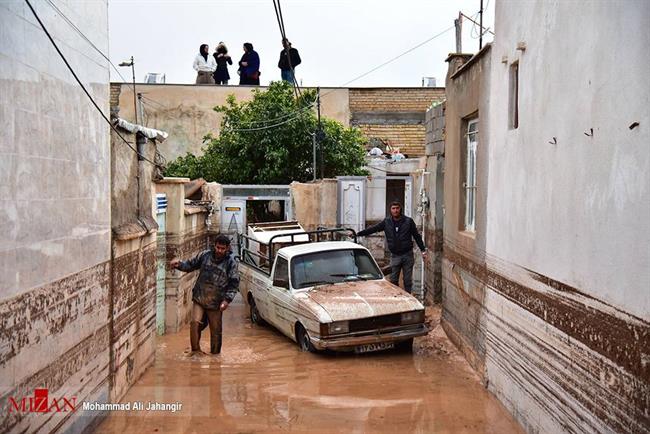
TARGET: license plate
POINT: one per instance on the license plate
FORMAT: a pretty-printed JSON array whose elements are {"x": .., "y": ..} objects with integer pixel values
[{"x": 374, "y": 347}]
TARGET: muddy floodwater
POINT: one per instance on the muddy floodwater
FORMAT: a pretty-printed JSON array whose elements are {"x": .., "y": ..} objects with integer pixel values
[{"x": 262, "y": 383}]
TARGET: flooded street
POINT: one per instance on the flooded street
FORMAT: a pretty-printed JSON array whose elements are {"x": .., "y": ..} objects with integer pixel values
[{"x": 261, "y": 382}]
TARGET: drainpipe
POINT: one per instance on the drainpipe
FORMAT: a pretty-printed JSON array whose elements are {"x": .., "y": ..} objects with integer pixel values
[
  {"x": 424, "y": 205},
  {"x": 141, "y": 141}
]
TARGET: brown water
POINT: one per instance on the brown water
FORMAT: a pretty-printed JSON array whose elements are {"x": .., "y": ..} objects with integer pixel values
[{"x": 262, "y": 383}]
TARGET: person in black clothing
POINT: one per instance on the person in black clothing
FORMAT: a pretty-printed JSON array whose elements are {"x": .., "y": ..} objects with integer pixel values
[
  {"x": 249, "y": 66},
  {"x": 400, "y": 232},
  {"x": 221, "y": 75},
  {"x": 289, "y": 59}
]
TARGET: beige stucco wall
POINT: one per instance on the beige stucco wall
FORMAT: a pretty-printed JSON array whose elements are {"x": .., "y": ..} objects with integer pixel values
[
  {"x": 185, "y": 237},
  {"x": 315, "y": 203},
  {"x": 186, "y": 111}
]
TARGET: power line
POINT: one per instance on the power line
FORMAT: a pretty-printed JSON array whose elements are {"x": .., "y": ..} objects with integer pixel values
[
  {"x": 398, "y": 56},
  {"x": 348, "y": 82},
  {"x": 287, "y": 50},
  {"x": 101, "y": 53},
  {"x": 267, "y": 127},
  {"x": 152, "y": 101},
  {"x": 82, "y": 85}
]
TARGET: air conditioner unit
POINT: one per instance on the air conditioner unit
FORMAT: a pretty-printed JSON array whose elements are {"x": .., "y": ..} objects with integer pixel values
[
  {"x": 428, "y": 81},
  {"x": 154, "y": 77}
]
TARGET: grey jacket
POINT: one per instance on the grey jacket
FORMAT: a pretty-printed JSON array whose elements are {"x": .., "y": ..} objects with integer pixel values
[{"x": 217, "y": 281}]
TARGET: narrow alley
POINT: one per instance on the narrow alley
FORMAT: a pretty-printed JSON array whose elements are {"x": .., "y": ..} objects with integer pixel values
[
  {"x": 454, "y": 195},
  {"x": 262, "y": 382}
]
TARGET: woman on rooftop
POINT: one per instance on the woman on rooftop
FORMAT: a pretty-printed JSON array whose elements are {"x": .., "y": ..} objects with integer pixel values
[
  {"x": 222, "y": 58},
  {"x": 204, "y": 65}
]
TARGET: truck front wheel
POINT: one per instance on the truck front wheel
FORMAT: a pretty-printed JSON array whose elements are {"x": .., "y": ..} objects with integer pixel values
[
  {"x": 254, "y": 313},
  {"x": 303, "y": 339}
]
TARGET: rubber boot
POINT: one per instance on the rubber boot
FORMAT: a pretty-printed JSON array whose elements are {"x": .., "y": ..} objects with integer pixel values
[{"x": 195, "y": 336}]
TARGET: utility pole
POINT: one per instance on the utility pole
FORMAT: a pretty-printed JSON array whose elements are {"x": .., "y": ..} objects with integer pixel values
[
  {"x": 313, "y": 142},
  {"x": 319, "y": 132},
  {"x": 458, "y": 23},
  {"x": 480, "y": 37},
  {"x": 140, "y": 108}
]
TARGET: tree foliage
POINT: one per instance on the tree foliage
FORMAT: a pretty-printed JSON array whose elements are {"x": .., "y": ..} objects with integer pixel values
[{"x": 268, "y": 140}]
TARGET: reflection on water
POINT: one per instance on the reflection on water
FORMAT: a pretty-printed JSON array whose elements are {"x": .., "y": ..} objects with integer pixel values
[{"x": 261, "y": 383}]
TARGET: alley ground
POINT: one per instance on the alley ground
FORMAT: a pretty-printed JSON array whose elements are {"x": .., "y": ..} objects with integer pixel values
[{"x": 262, "y": 383}]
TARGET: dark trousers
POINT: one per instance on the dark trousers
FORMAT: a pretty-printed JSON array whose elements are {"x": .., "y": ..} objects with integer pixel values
[
  {"x": 404, "y": 263},
  {"x": 249, "y": 80},
  {"x": 214, "y": 319}
]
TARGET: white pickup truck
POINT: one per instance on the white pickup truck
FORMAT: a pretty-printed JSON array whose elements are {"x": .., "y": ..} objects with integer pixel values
[{"x": 326, "y": 295}]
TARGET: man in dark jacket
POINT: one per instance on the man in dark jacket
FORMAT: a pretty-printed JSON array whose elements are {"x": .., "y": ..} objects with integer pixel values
[
  {"x": 289, "y": 59},
  {"x": 400, "y": 232},
  {"x": 215, "y": 288}
]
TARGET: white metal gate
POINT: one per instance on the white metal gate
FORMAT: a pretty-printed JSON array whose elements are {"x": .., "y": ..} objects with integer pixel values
[{"x": 352, "y": 202}]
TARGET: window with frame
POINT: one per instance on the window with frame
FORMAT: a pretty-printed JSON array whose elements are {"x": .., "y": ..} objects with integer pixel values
[
  {"x": 281, "y": 273},
  {"x": 469, "y": 183},
  {"x": 513, "y": 106}
]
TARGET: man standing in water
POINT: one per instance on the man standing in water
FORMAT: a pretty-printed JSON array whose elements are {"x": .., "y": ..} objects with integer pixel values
[
  {"x": 215, "y": 288},
  {"x": 400, "y": 232}
]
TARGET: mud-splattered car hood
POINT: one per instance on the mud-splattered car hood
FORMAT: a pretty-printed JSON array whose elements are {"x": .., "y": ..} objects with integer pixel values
[{"x": 361, "y": 299}]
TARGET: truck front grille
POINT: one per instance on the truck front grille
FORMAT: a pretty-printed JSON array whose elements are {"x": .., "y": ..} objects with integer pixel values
[{"x": 375, "y": 322}]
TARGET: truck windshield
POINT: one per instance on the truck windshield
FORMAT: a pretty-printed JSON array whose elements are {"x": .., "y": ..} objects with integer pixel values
[{"x": 332, "y": 267}]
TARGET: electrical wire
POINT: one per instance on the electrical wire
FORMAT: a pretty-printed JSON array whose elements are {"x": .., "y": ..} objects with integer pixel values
[
  {"x": 267, "y": 127},
  {"x": 152, "y": 101},
  {"x": 350, "y": 81},
  {"x": 82, "y": 85},
  {"x": 101, "y": 53},
  {"x": 283, "y": 33},
  {"x": 398, "y": 56},
  {"x": 279, "y": 17}
]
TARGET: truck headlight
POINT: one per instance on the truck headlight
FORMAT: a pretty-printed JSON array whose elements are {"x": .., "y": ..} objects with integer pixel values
[
  {"x": 414, "y": 317},
  {"x": 338, "y": 327}
]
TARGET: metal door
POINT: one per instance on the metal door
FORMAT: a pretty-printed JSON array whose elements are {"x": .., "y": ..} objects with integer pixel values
[
  {"x": 233, "y": 220},
  {"x": 352, "y": 202},
  {"x": 408, "y": 197}
]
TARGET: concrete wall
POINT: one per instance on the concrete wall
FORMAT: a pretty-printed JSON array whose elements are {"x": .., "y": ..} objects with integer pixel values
[
  {"x": 315, "y": 204},
  {"x": 133, "y": 292},
  {"x": 55, "y": 213},
  {"x": 392, "y": 115},
  {"x": 467, "y": 88},
  {"x": 186, "y": 111},
  {"x": 185, "y": 237},
  {"x": 434, "y": 190},
  {"x": 549, "y": 300}
]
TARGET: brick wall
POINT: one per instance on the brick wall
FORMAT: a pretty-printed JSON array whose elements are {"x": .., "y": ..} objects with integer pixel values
[
  {"x": 395, "y": 116},
  {"x": 408, "y": 138},
  {"x": 395, "y": 100}
]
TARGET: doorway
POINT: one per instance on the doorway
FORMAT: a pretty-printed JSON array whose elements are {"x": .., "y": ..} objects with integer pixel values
[{"x": 395, "y": 192}]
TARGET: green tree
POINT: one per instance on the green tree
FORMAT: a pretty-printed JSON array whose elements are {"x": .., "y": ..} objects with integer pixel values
[{"x": 268, "y": 140}]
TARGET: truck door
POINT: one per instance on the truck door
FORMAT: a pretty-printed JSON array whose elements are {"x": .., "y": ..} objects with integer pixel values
[{"x": 280, "y": 297}]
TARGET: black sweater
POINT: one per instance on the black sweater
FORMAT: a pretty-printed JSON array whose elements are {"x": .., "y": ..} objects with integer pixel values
[
  {"x": 399, "y": 234},
  {"x": 283, "y": 63}
]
